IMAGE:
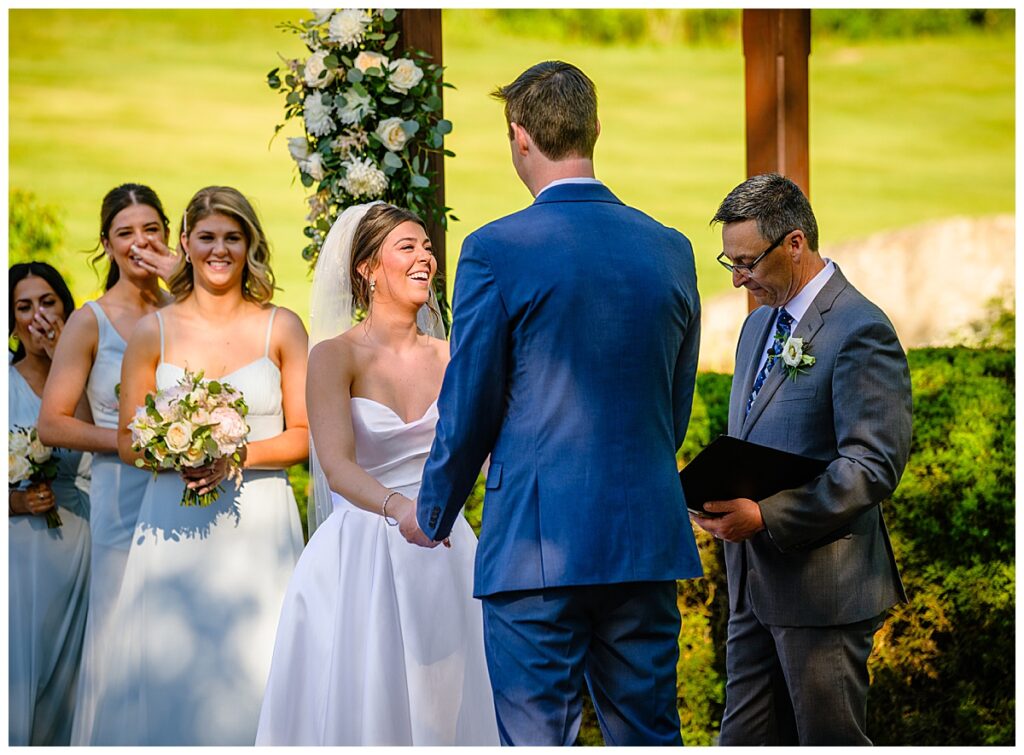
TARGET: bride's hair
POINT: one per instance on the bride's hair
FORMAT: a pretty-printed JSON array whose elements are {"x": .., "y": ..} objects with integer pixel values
[
  {"x": 380, "y": 220},
  {"x": 257, "y": 278}
]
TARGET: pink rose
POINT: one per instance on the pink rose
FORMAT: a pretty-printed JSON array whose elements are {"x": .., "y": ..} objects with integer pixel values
[{"x": 230, "y": 429}]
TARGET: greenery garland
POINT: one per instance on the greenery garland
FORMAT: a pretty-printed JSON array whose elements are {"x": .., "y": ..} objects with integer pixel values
[{"x": 371, "y": 119}]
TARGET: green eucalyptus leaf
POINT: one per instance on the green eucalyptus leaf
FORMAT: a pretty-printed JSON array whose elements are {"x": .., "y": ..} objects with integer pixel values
[
  {"x": 331, "y": 61},
  {"x": 360, "y": 89},
  {"x": 444, "y": 126},
  {"x": 410, "y": 127},
  {"x": 354, "y": 76},
  {"x": 392, "y": 41},
  {"x": 307, "y": 180},
  {"x": 419, "y": 181},
  {"x": 388, "y": 14},
  {"x": 387, "y": 99},
  {"x": 392, "y": 160}
]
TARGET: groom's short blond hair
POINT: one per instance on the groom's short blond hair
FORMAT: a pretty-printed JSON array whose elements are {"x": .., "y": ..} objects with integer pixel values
[{"x": 557, "y": 105}]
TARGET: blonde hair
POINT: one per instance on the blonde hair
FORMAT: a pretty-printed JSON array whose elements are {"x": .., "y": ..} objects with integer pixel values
[{"x": 257, "y": 278}]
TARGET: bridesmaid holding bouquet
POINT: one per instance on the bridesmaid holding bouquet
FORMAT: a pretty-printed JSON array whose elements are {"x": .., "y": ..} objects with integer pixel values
[
  {"x": 204, "y": 584},
  {"x": 48, "y": 567}
]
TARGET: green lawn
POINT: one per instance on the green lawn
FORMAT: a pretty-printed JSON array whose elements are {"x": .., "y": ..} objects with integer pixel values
[{"x": 900, "y": 131}]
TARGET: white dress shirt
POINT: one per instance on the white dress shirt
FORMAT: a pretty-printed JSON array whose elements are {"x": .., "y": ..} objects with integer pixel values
[
  {"x": 797, "y": 306},
  {"x": 573, "y": 180}
]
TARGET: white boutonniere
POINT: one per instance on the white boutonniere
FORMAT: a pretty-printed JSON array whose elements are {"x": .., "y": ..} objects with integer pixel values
[{"x": 794, "y": 357}]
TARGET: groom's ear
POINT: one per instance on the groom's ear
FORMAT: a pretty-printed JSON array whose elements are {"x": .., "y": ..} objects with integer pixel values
[{"x": 520, "y": 138}]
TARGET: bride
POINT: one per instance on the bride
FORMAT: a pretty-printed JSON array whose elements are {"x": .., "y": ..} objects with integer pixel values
[{"x": 379, "y": 642}]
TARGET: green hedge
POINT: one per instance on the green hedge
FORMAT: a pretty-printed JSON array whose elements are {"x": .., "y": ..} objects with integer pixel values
[{"x": 943, "y": 665}]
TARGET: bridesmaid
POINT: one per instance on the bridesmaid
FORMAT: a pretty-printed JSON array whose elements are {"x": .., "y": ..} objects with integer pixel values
[
  {"x": 133, "y": 233},
  {"x": 203, "y": 586},
  {"x": 48, "y": 569}
]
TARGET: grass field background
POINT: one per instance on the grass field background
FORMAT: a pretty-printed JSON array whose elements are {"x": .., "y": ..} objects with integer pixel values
[{"x": 900, "y": 131}]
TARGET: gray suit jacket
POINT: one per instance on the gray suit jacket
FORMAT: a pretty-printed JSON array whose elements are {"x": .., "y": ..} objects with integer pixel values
[{"x": 825, "y": 558}]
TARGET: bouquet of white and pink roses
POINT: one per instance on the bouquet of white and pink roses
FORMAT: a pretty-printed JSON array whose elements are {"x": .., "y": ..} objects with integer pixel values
[
  {"x": 191, "y": 425},
  {"x": 31, "y": 461}
]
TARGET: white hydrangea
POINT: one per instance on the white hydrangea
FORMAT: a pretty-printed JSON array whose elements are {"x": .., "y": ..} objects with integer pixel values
[
  {"x": 348, "y": 26},
  {"x": 317, "y": 115},
  {"x": 316, "y": 73},
  {"x": 363, "y": 178},
  {"x": 357, "y": 107}
]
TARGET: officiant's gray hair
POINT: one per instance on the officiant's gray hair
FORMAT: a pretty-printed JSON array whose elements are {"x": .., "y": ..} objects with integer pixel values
[
  {"x": 557, "y": 105},
  {"x": 775, "y": 202}
]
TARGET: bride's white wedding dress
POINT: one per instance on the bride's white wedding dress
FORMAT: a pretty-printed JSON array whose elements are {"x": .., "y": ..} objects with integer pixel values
[{"x": 380, "y": 642}]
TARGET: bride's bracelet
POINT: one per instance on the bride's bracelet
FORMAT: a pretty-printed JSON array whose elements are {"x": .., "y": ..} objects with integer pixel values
[{"x": 389, "y": 520}]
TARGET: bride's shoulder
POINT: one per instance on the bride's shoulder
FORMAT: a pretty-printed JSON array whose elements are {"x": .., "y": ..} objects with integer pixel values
[
  {"x": 334, "y": 355},
  {"x": 440, "y": 346}
]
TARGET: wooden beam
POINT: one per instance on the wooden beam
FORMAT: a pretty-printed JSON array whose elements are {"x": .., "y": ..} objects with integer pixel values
[
  {"x": 420, "y": 29},
  {"x": 776, "y": 45}
]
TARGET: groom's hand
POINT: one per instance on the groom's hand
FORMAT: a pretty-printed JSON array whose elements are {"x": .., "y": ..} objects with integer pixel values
[{"x": 405, "y": 513}]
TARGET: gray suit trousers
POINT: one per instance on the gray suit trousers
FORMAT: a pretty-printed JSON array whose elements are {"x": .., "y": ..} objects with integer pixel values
[{"x": 796, "y": 685}]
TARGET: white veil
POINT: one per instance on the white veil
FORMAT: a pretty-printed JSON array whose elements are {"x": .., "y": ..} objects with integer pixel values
[{"x": 330, "y": 314}]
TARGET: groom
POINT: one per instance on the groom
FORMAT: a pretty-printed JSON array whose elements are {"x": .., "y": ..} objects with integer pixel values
[{"x": 574, "y": 353}]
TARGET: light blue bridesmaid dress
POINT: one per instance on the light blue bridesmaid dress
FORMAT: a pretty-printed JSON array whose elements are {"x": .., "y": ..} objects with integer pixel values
[
  {"x": 115, "y": 496},
  {"x": 202, "y": 593},
  {"x": 48, "y": 592}
]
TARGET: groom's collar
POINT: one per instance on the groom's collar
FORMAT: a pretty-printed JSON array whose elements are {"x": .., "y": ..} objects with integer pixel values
[{"x": 575, "y": 190}]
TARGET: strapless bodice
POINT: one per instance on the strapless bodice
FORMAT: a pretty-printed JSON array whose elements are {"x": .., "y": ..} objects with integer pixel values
[{"x": 392, "y": 451}]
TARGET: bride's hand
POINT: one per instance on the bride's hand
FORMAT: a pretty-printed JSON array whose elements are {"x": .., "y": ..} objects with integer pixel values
[{"x": 405, "y": 513}]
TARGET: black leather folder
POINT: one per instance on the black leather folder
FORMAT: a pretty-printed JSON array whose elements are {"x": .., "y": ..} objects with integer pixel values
[{"x": 732, "y": 468}]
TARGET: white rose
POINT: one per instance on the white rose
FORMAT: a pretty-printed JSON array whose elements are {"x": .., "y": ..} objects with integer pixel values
[
  {"x": 321, "y": 15},
  {"x": 392, "y": 134},
  {"x": 298, "y": 148},
  {"x": 18, "y": 443},
  {"x": 179, "y": 437},
  {"x": 357, "y": 107},
  {"x": 317, "y": 116},
  {"x": 793, "y": 352},
  {"x": 405, "y": 74},
  {"x": 143, "y": 432},
  {"x": 199, "y": 395},
  {"x": 348, "y": 26},
  {"x": 366, "y": 60},
  {"x": 314, "y": 166},
  {"x": 363, "y": 178},
  {"x": 200, "y": 416},
  {"x": 316, "y": 73},
  {"x": 195, "y": 456},
  {"x": 18, "y": 468},
  {"x": 37, "y": 452}
]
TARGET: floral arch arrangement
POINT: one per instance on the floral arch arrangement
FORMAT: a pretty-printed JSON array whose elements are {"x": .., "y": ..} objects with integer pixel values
[{"x": 371, "y": 118}]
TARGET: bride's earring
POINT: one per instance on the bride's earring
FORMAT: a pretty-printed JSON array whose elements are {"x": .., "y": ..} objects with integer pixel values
[{"x": 373, "y": 285}]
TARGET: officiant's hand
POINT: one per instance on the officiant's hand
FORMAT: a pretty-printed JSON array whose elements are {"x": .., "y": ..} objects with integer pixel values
[
  {"x": 741, "y": 521},
  {"x": 405, "y": 513}
]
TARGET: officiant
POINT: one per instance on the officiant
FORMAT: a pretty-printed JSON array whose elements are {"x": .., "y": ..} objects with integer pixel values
[{"x": 819, "y": 372}]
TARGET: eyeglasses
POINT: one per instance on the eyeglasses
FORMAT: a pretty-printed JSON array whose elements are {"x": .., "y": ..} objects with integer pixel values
[{"x": 749, "y": 269}]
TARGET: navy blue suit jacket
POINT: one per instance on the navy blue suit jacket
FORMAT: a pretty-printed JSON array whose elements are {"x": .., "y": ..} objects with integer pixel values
[{"x": 575, "y": 332}]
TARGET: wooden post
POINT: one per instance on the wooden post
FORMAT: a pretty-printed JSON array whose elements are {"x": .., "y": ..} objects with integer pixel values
[
  {"x": 421, "y": 30},
  {"x": 776, "y": 45}
]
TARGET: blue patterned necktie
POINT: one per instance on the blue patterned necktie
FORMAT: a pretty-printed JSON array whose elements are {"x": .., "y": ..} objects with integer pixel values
[{"x": 783, "y": 329}]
